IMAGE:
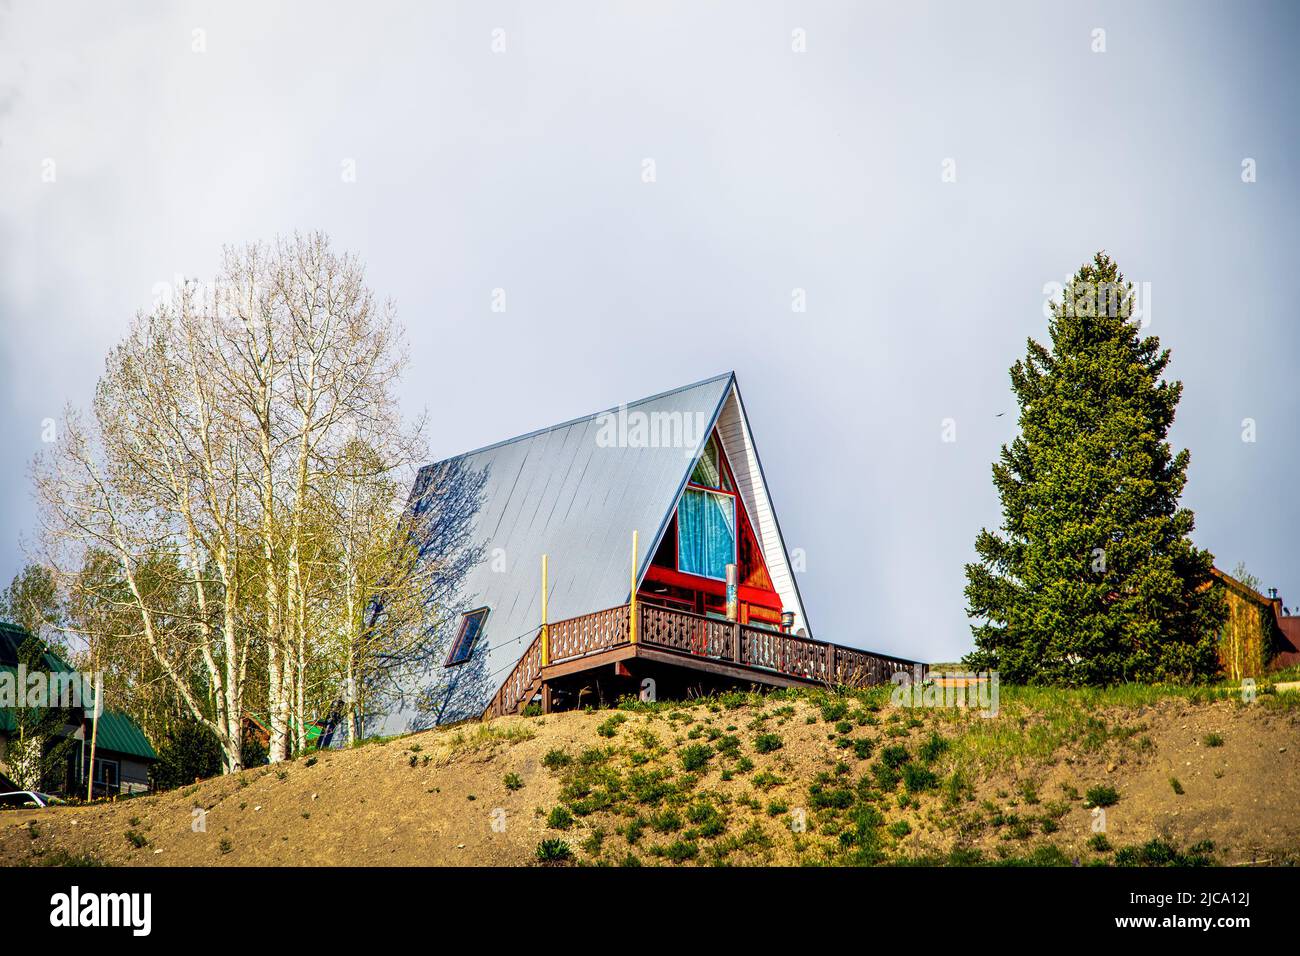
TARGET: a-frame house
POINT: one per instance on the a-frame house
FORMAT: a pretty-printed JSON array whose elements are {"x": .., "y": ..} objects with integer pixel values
[{"x": 705, "y": 598}]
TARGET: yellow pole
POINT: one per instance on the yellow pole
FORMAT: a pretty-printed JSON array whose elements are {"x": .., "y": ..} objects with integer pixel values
[
  {"x": 631, "y": 615},
  {"x": 546, "y": 631}
]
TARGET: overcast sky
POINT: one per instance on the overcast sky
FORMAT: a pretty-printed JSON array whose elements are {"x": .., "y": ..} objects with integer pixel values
[{"x": 823, "y": 170}]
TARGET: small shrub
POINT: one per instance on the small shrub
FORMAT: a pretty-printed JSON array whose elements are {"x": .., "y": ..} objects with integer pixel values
[
  {"x": 838, "y": 798},
  {"x": 1212, "y": 740},
  {"x": 649, "y": 786},
  {"x": 886, "y": 777},
  {"x": 767, "y": 743},
  {"x": 862, "y": 747},
  {"x": 1178, "y": 787},
  {"x": 679, "y": 851},
  {"x": 513, "y": 781},
  {"x": 696, "y": 756},
  {"x": 1163, "y": 853},
  {"x": 554, "y": 851},
  {"x": 934, "y": 747},
  {"x": 917, "y": 778},
  {"x": 137, "y": 839},
  {"x": 900, "y": 829},
  {"x": 594, "y": 842},
  {"x": 1099, "y": 843},
  {"x": 834, "y": 709},
  {"x": 1102, "y": 796},
  {"x": 707, "y": 820},
  {"x": 728, "y": 745},
  {"x": 609, "y": 727},
  {"x": 555, "y": 759},
  {"x": 666, "y": 822},
  {"x": 560, "y": 819},
  {"x": 894, "y": 756}
]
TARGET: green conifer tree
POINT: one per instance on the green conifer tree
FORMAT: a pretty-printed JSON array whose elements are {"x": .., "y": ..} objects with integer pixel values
[{"x": 1093, "y": 578}]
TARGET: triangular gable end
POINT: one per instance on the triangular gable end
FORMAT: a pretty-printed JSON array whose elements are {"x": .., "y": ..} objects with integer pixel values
[{"x": 731, "y": 425}]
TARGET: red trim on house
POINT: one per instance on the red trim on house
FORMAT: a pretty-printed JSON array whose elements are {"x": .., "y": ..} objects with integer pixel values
[{"x": 694, "y": 582}]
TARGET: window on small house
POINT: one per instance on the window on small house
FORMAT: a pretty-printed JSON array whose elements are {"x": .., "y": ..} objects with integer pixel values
[
  {"x": 706, "y": 518},
  {"x": 471, "y": 625},
  {"x": 106, "y": 772},
  {"x": 709, "y": 471},
  {"x": 706, "y": 532}
]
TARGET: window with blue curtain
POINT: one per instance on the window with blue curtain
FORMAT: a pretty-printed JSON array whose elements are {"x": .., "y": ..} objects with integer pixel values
[{"x": 706, "y": 533}]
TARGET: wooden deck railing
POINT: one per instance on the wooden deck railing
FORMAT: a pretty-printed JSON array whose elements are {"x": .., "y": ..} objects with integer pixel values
[{"x": 695, "y": 635}]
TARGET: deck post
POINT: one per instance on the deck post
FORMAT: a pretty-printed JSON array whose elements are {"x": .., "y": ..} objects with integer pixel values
[
  {"x": 546, "y": 631},
  {"x": 736, "y": 653},
  {"x": 546, "y": 697},
  {"x": 631, "y": 608}
]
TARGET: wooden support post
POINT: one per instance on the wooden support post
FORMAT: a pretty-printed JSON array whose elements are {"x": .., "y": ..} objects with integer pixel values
[
  {"x": 546, "y": 631},
  {"x": 546, "y": 697},
  {"x": 736, "y": 652},
  {"x": 631, "y": 609}
]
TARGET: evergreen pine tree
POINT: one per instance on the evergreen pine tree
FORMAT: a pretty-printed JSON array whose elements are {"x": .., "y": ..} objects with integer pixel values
[{"x": 1093, "y": 578}]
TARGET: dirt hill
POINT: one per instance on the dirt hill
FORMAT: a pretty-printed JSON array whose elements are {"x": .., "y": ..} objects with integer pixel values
[{"x": 784, "y": 779}]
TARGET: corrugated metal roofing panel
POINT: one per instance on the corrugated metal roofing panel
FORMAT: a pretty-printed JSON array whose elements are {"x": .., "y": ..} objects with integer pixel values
[{"x": 119, "y": 733}]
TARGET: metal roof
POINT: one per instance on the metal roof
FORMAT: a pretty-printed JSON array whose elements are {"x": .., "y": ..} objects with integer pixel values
[{"x": 575, "y": 492}]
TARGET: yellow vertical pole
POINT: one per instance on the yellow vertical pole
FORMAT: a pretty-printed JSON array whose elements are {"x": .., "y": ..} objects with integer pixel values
[
  {"x": 546, "y": 631},
  {"x": 631, "y": 614}
]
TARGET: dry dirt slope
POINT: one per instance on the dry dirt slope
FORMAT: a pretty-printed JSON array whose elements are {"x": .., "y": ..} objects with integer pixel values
[{"x": 806, "y": 778}]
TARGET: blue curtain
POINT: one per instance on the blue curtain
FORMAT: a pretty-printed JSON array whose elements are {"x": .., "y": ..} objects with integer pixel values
[{"x": 706, "y": 533}]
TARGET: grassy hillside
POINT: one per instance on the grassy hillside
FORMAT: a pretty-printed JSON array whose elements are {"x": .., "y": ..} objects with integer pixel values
[{"x": 787, "y": 778}]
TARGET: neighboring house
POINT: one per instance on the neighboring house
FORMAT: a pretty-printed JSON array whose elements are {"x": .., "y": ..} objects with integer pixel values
[
  {"x": 1259, "y": 633},
  {"x": 705, "y": 599},
  {"x": 123, "y": 754}
]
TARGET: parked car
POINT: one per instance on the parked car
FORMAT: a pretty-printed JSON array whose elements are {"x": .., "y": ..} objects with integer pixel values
[{"x": 26, "y": 800}]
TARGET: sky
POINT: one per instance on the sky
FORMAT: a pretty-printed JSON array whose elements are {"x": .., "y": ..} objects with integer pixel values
[{"x": 920, "y": 173}]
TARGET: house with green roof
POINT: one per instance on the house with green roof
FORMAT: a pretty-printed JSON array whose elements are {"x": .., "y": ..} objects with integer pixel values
[{"x": 123, "y": 755}]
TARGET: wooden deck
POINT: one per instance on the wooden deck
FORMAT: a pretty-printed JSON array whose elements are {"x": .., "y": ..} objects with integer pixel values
[{"x": 725, "y": 650}]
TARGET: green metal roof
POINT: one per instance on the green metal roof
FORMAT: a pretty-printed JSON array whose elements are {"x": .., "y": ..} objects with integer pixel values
[
  {"x": 120, "y": 733},
  {"x": 117, "y": 731}
]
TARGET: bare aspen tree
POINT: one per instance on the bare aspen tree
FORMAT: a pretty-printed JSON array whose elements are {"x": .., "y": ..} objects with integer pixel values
[
  {"x": 317, "y": 362},
  {"x": 239, "y": 488},
  {"x": 155, "y": 475}
]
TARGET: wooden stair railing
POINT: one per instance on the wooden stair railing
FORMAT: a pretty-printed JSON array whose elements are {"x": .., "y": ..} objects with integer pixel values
[{"x": 522, "y": 683}]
